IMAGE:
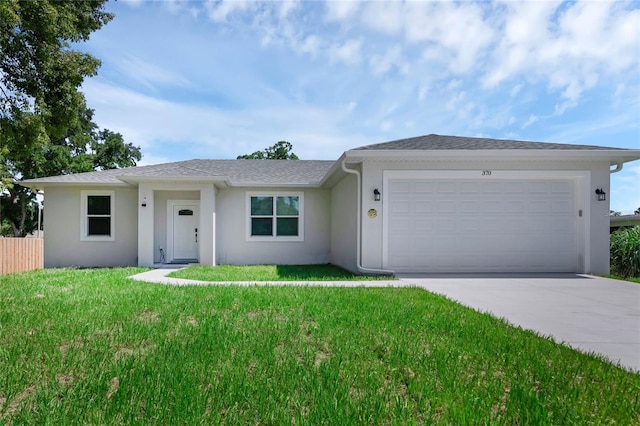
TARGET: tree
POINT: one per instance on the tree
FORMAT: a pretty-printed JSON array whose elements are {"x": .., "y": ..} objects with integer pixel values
[
  {"x": 46, "y": 127},
  {"x": 637, "y": 211},
  {"x": 279, "y": 151},
  {"x": 614, "y": 213}
]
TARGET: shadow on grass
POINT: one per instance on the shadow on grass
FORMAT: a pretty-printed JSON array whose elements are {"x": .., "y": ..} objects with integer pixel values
[{"x": 326, "y": 272}]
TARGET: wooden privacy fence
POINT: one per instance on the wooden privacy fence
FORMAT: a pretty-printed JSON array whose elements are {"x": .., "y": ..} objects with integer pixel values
[{"x": 21, "y": 254}]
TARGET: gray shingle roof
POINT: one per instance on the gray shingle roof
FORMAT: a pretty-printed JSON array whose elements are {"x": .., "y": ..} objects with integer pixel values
[
  {"x": 236, "y": 172},
  {"x": 302, "y": 172},
  {"x": 439, "y": 142}
]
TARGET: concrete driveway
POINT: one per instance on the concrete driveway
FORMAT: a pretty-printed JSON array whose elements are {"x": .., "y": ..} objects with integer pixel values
[{"x": 589, "y": 313}]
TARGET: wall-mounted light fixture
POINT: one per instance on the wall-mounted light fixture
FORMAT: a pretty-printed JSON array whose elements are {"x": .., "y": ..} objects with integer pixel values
[
  {"x": 602, "y": 196},
  {"x": 144, "y": 202},
  {"x": 376, "y": 195}
]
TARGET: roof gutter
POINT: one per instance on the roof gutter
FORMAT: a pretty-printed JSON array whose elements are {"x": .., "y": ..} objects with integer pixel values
[
  {"x": 617, "y": 169},
  {"x": 359, "y": 226}
]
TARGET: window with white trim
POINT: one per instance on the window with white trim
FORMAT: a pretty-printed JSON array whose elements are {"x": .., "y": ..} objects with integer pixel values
[
  {"x": 97, "y": 216},
  {"x": 275, "y": 216}
]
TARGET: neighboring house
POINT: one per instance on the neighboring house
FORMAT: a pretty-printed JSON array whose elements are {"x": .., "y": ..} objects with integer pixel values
[
  {"x": 434, "y": 204},
  {"x": 624, "y": 221}
]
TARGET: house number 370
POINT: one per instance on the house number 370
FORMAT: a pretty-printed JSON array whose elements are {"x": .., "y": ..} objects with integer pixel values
[{"x": 486, "y": 173}]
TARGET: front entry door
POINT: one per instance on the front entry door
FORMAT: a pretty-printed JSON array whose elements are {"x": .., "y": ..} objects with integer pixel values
[{"x": 185, "y": 231}]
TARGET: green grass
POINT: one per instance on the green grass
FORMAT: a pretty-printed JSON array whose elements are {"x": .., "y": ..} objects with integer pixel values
[
  {"x": 254, "y": 273},
  {"x": 630, "y": 279},
  {"x": 624, "y": 252},
  {"x": 92, "y": 347}
]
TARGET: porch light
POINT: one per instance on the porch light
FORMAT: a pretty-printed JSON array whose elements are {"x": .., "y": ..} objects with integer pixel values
[
  {"x": 144, "y": 202},
  {"x": 602, "y": 196},
  {"x": 376, "y": 195}
]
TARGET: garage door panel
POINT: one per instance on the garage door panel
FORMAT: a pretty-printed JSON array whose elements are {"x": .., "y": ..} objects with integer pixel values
[
  {"x": 538, "y": 207},
  {"x": 514, "y": 188},
  {"x": 400, "y": 225},
  {"x": 400, "y": 206},
  {"x": 561, "y": 188},
  {"x": 446, "y": 207},
  {"x": 447, "y": 188},
  {"x": 561, "y": 206},
  {"x": 424, "y": 207},
  {"x": 424, "y": 187},
  {"x": 423, "y": 225},
  {"x": 469, "y": 226}
]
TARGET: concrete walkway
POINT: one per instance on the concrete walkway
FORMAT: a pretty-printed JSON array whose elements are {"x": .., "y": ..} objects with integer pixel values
[{"x": 591, "y": 314}]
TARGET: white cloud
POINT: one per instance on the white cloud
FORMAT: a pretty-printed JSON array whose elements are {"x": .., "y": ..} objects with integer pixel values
[
  {"x": 458, "y": 30},
  {"x": 349, "y": 52},
  {"x": 570, "y": 45},
  {"x": 392, "y": 58},
  {"x": 388, "y": 17},
  {"x": 386, "y": 125},
  {"x": 515, "y": 90},
  {"x": 221, "y": 10},
  {"x": 311, "y": 45},
  {"x": 532, "y": 119},
  {"x": 285, "y": 7},
  {"x": 181, "y": 131},
  {"x": 341, "y": 10},
  {"x": 148, "y": 74},
  {"x": 133, "y": 3}
]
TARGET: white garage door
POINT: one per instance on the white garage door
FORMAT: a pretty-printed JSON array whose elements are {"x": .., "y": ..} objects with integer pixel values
[{"x": 470, "y": 226}]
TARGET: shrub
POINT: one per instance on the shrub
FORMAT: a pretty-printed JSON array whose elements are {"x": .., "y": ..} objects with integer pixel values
[{"x": 625, "y": 252}]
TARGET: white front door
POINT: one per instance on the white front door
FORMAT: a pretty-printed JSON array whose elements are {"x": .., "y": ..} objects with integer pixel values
[{"x": 183, "y": 231}]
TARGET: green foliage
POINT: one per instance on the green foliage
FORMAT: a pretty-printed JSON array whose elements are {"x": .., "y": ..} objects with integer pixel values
[
  {"x": 46, "y": 127},
  {"x": 279, "y": 151},
  {"x": 625, "y": 252},
  {"x": 91, "y": 346},
  {"x": 254, "y": 273}
]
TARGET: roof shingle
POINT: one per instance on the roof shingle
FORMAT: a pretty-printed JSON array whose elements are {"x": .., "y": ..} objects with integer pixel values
[
  {"x": 439, "y": 142},
  {"x": 237, "y": 172}
]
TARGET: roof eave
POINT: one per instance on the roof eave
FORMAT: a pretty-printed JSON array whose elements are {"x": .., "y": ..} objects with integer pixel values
[
  {"x": 37, "y": 184},
  {"x": 155, "y": 179},
  {"x": 274, "y": 185},
  {"x": 334, "y": 173},
  {"x": 613, "y": 156}
]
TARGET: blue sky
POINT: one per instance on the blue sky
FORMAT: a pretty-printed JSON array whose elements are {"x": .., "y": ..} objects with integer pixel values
[{"x": 217, "y": 79}]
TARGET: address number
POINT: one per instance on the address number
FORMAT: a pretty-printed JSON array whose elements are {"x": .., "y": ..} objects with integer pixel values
[{"x": 486, "y": 173}]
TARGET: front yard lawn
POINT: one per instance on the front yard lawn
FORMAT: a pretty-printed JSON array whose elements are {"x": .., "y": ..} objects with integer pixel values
[
  {"x": 93, "y": 347},
  {"x": 254, "y": 273}
]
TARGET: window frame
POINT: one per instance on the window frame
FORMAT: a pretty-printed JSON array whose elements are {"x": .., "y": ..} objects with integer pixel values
[
  {"x": 84, "y": 215},
  {"x": 273, "y": 237}
]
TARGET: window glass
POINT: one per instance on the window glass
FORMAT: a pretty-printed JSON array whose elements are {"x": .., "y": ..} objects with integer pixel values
[
  {"x": 287, "y": 226},
  {"x": 99, "y": 226},
  {"x": 261, "y": 206},
  {"x": 275, "y": 216},
  {"x": 287, "y": 206},
  {"x": 262, "y": 226},
  {"x": 97, "y": 215},
  {"x": 99, "y": 205}
]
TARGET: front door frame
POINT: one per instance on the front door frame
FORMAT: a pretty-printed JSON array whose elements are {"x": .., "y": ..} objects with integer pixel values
[{"x": 170, "y": 217}]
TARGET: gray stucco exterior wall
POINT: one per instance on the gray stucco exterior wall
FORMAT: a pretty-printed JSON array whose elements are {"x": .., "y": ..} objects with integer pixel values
[{"x": 62, "y": 222}]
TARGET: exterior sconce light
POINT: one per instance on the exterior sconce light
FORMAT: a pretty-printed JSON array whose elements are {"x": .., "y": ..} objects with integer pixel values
[
  {"x": 144, "y": 202},
  {"x": 376, "y": 195},
  {"x": 602, "y": 196}
]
